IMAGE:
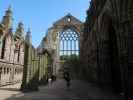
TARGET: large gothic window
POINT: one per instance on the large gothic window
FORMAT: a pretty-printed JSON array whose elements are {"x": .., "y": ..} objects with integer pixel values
[{"x": 69, "y": 43}]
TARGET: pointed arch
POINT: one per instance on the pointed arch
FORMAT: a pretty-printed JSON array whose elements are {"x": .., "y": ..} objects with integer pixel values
[
  {"x": 3, "y": 48},
  {"x": 109, "y": 49}
]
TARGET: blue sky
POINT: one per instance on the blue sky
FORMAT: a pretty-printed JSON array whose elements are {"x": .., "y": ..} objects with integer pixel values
[{"x": 39, "y": 15}]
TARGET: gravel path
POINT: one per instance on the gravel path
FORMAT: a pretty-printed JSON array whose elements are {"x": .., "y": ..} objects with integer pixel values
[{"x": 79, "y": 90}]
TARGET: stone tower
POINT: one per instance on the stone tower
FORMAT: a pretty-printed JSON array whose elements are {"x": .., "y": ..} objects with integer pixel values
[
  {"x": 27, "y": 47},
  {"x": 19, "y": 34},
  {"x": 7, "y": 19}
]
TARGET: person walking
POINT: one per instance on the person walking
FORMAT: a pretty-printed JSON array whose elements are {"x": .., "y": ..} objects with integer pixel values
[
  {"x": 67, "y": 79},
  {"x": 49, "y": 82}
]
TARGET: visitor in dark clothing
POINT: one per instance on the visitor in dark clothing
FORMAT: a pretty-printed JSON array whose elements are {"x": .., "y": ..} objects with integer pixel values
[{"x": 67, "y": 79}]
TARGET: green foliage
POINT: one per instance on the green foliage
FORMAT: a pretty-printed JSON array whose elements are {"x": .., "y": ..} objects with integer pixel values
[
  {"x": 72, "y": 64},
  {"x": 69, "y": 57},
  {"x": 78, "y": 69}
]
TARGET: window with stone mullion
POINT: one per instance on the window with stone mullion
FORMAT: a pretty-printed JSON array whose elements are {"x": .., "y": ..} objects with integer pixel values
[{"x": 69, "y": 42}]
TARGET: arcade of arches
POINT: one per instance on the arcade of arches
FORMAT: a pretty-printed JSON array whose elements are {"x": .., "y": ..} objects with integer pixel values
[{"x": 103, "y": 44}]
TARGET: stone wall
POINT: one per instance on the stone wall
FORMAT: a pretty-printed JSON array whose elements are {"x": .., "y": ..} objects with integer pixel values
[
  {"x": 51, "y": 42},
  {"x": 107, "y": 43},
  {"x": 11, "y": 51}
]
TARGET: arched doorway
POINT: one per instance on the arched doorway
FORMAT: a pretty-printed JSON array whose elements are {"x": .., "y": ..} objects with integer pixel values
[
  {"x": 114, "y": 59},
  {"x": 110, "y": 71},
  {"x": 45, "y": 63}
]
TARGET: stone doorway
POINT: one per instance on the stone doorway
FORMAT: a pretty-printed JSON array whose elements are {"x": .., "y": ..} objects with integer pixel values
[{"x": 114, "y": 59}]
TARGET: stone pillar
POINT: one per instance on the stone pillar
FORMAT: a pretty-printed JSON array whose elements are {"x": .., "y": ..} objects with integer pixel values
[{"x": 30, "y": 74}]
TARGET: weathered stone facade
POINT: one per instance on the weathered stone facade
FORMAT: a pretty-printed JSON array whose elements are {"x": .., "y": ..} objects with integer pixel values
[
  {"x": 11, "y": 51},
  {"x": 51, "y": 41},
  {"x": 31, "y": 66},
  {"x": 36, "y": 66},
  {"x": 107, "y": 44}
]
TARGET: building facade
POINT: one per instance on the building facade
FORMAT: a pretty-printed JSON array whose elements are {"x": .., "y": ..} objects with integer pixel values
[
  {"x": 63, "y": 39},
  {"x": 11, "y": 50},
  {"x": 107, "y": 44}
]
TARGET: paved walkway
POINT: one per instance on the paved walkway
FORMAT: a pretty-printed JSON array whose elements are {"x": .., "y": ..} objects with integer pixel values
[{"x": 79, "y": 90}]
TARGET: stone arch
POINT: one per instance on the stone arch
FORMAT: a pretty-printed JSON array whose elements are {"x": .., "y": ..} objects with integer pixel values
[
  {"x": 122, "y": 22},
  {"x": 20, "y": 45},
  {"x": 3, "y": 48},
  {"x": 47, "y": 52},
  {"x": 61, "y": 25},
  {"x": 109, "y": 43},
  {"x": 69, "y": 34},
  {"x": 48, "y": 56},
  {"x": 73, "y": 27}
]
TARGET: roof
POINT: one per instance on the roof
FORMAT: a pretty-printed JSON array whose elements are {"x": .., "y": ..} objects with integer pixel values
[{"x": 68, "y": 19}]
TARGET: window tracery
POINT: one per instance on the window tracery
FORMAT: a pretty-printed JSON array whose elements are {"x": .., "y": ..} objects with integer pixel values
[{"x": 69, "y": 43}]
